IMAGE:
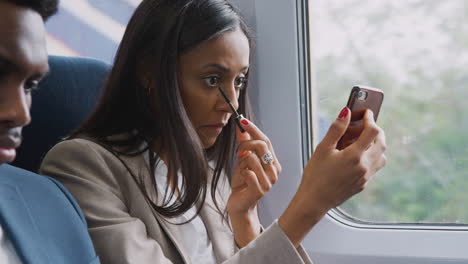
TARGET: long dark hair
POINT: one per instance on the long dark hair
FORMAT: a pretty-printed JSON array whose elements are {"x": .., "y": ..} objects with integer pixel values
[{"x": 142, "y": 99}]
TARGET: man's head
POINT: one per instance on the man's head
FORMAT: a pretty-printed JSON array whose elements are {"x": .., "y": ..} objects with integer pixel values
[
  {"x": 45, "y": 8},
  {"x": 23, "y": 63}
]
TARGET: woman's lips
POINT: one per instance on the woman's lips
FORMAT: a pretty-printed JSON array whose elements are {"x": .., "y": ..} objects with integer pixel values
[{"x": 215, "y": 127}]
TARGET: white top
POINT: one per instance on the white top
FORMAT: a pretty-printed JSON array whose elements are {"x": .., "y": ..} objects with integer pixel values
[
  {"x": 7, "y": 250},
  {"x": 195, "y": 239}
]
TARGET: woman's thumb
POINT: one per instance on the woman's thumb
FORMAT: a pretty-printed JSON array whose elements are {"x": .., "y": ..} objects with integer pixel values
[{"x": 337, "y": 129}]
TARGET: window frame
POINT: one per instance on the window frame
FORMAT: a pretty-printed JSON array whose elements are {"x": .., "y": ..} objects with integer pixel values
[{"x": 333, "y": 239}]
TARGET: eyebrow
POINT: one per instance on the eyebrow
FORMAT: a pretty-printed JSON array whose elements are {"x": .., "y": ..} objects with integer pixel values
[
  {"x": 7, "y": 62},
  {"x": 221, "y": 67},
  {"x": 10, "y": 64},
  {"x": 44, "y": 74},
  {"x": 41, "y": 75}
]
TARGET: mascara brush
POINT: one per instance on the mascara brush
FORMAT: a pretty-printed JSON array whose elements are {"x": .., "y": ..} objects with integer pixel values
[{"x": 237, "y": 116}]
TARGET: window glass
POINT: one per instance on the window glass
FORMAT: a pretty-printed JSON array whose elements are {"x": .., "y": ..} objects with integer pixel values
[
  {"x": 416, "y": 51},
  {"x": 90, "y": 28}
]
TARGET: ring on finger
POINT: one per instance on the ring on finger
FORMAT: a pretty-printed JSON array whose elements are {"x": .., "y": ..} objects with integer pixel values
[{"x": 267, "y": 158}]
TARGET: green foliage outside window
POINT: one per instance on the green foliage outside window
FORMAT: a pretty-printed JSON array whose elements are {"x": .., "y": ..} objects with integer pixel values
[{"x": 417, "y": 53}]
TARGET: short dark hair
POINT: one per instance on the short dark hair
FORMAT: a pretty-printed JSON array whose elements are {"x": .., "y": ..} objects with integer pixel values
[{"x": 45, "y": 8}]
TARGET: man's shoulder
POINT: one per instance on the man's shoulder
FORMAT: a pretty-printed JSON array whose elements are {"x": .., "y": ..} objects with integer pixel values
[
  {"x": 19, "y": 177},
  {"x": 37, "y": 188},
  {"x": 53, "y": 212}
]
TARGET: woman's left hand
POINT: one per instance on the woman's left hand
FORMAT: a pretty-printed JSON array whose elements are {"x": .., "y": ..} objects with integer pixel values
[{"x": 256, "y": 172}]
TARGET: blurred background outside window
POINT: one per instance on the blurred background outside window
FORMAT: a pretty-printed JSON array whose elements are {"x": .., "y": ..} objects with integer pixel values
[
  {"x": 89, "y": 28},
  {"x": 416, "y": 51}
]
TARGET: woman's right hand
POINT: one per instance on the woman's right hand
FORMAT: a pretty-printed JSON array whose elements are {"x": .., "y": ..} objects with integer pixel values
[
  {"x": 251, "y": 180},
  {"x": 332, "y": 176}
]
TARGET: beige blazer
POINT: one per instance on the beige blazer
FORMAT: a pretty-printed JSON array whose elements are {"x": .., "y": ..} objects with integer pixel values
[{"x": 126, "y": 229}]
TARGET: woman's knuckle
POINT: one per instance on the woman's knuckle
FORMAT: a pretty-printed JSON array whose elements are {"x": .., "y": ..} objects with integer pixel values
[
  {"x": 319, "y": 146},
  {"x": 361, "y": 170},
  {"x": 361, "y": 185},
  {"x": 250, "y": 158},
  {"x": 259, "y": 194},
  {"x": 380, "y": 130},
  {"x": 374, "y": 130},
  {"x": 383, "y": 147},
  {"x": 365, "y": 183},
  {"x": 256, "y": 159},
  {"x": 337, "y": 126},
  {"x": 360, "y": 188},
  {"x": 242, "y": 164},
  {"x": 242, "y": 145},
  {"x": 384, "y": 160},
  {"x": 355, "y": 159},
  {"x": 263, "y": 144},
  {"x": 274, "y": 178}
]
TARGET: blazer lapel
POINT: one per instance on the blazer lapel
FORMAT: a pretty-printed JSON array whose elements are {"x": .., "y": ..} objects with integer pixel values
[
  {"x": 219, "y": 231},
  {"x": 171, "y": 230},
  {"x": 139, "y": 167},
  {"x": 20, "y": 227}
]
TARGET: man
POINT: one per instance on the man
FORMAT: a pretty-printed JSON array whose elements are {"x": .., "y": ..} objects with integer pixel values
[{"x": 40, "y": 222}]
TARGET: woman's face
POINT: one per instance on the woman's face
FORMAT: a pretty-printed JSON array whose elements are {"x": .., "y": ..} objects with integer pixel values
[{"x": 221, "y": 61}]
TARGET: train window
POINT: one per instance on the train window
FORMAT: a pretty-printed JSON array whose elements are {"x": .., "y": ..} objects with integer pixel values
[
  {"x": 416, "y": 52},
  {"x": 93, "y": 28}
]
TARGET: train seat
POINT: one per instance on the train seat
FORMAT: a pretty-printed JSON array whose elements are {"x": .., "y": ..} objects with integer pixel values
[{"x": 65, "y": 98}]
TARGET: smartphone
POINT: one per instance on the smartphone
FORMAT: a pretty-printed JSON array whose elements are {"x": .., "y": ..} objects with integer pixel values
[{"x": 360, "y": 99}]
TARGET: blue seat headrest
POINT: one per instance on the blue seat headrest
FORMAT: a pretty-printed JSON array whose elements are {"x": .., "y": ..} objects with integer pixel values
[{"x": 66, "y": 97}]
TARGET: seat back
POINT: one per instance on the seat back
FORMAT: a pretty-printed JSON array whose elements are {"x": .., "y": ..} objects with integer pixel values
[{"x": 66, "y": 97}]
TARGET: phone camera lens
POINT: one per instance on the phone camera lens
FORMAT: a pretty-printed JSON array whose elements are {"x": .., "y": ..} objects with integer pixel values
[{"x": 362, "y": 95}]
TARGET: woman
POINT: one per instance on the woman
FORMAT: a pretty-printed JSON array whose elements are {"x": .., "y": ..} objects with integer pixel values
[{"x": 161, "y": 171}]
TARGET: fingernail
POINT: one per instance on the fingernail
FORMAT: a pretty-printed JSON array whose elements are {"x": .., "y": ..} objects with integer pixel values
[
  {"x": 243, "y": 154},
  {"x": 245, "y": 122},
  {"x": 344, "y": 113}
]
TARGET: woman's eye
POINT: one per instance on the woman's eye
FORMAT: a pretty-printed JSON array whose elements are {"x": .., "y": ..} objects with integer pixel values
[
  {"x": 241, "y": 82},
  {"x": 212, "y": 81},
  {"x": 31, "y": 85}
]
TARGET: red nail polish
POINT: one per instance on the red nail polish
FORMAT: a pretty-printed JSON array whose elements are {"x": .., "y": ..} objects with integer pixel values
[
  {"x": 243, "y": 154},
  {"x": 344, "y": 113},
  {"x": 244, "y": 122}
]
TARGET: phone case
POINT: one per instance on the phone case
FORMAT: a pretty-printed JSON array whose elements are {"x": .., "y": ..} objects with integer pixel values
[{"x": 363, "y": 97}]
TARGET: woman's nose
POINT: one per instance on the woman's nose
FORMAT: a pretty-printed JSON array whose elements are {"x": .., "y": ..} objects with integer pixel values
[{"x": 233, "y": 95}]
